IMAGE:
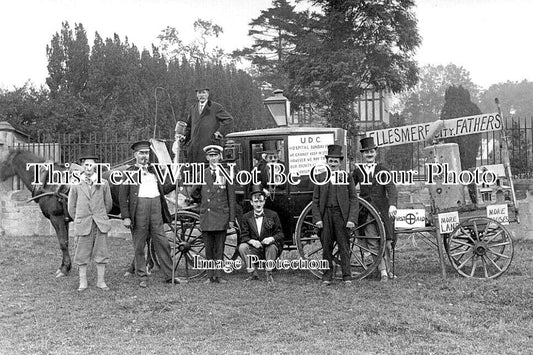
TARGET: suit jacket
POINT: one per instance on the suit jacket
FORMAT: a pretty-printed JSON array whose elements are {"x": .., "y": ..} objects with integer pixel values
[
  {"x": 271, "y": 227},
  {"x": 217, "y": 203},
  {"x": 201, "y": 127},
  {"x": 264, "y": 168},
  {"x": 380, "y": 196},
  {"x": 90, "y": 203},
  {"x": 128, "y": 197},
  {"x": 346, "y": 198}
]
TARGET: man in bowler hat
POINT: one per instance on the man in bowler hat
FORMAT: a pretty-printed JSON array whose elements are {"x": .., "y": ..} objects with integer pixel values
[
  {"x": 144, "y": 209},
  {"x": 261, "y": 235},
  {"x": 383, "y": 197},
  {"x": 335, "y": 209},
  {"x": 207, "y": 123}
]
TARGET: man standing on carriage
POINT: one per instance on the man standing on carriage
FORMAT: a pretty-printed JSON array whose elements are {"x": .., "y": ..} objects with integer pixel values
[
  {"x": 144, "y": 209},
  {"x": 217, "y": 210},
  {"x": 335, "y": 210},
  {"x": 383, "y": 197},
  {"x": 207, "y": 123}
]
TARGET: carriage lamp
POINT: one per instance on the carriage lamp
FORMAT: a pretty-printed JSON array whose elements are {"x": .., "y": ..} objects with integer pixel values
[{"x": 279, "y": 108}]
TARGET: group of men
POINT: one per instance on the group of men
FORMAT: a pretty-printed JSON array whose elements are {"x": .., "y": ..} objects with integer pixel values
[{"x": 144, "y": 209}]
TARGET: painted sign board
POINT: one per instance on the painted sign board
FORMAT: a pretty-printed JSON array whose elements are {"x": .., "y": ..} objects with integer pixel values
[{"x": 306, "y": 151}]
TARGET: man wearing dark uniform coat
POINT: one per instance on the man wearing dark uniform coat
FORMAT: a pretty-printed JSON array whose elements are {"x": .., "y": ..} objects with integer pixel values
[
  {"x": 261, "y": 235},
  {"x": 335, "y": 210},
  {"x": 144, "y": 209},
  {"x": 383, "y": 197},
  {"x": 217, "y": 210},
  {"x": 207, "y": 123}
]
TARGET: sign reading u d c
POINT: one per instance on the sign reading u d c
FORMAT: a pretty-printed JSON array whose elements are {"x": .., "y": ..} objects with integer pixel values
[{"x": 451, "y": 128}]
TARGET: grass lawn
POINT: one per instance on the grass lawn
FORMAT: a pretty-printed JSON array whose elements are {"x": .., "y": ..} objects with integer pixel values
[{"x": 418, "y": 313}]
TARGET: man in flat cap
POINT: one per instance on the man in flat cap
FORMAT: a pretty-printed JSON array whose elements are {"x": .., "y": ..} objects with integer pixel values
[
  {"x": 207, "y": 123},
  {"x": 261, "y": 235},
  {"x": 217, "y": 210},
  {"x": 144, "y": 210},
  {"x": 88, "y": 203},
  {"x": 335, "y": 210},
  {"x": 383, "y": 197}
]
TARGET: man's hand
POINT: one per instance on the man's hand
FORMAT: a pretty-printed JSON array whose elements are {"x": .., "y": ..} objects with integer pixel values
[
  {"x": 127, "y": 222},
  {"x": 319, "y": 224},
  {"x": 350, "y": 225},
  {"x": 267, "y": 192},
  {"x": 268, "y": 241},
  {"x": 218, "y": 135},
  {"x": 255, "y": 243},
  {"x": 392, "y": 211},
  {"x": 231, "y": 224}
]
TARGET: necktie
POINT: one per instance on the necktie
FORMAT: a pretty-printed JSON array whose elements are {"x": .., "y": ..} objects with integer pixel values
[
  {"x": 259, "y": 215},
  {"x": 214, "y": 175}
]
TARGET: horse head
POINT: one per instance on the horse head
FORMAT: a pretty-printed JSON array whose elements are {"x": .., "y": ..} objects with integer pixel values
[
  {"x": 16, "y": 163},
  {"x": 6, "y": 166}
]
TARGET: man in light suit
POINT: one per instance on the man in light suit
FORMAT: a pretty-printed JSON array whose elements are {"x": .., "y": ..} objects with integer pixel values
[
  {"x": 335, "y": 209},
  {"x": 88, "y": 203},
  {"x": 144, "y": 210},
  {"x": 217, "y": 210},
  {"x": 207, "y": 123},
  {"x": 261, "y": 235}
]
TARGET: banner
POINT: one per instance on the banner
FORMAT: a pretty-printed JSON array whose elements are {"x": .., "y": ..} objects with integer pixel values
[{"x": 451, "y": 128}]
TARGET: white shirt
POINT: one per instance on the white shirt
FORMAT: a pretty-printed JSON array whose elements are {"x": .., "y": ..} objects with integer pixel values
[
  {"x": 259, "y": 222},
  {"x": 148, "y": 184}
]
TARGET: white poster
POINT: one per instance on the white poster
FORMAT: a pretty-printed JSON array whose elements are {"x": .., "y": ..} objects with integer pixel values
[
  {"x": 448, "y": 221},
  {"x": 306, "y": 151},
  {"x": 410, "y": 218},
  {"x": 499, "y": 213}
]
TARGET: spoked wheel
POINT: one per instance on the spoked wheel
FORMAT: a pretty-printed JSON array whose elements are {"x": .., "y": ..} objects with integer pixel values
[
  {"x": 190, "y": 249},
  {"x": 367, "y": 242},
  {"x": 480, "y": 247}
]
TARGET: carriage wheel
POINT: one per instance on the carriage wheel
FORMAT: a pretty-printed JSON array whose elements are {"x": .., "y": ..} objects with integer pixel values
[
  {"x": 190, "y": 244},
  {"x": 366, "y": 251},
  {"x": 480, "y": 247}
]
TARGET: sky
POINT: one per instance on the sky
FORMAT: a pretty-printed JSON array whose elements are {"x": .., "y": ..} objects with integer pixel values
[{"x": 489, "y": 38}]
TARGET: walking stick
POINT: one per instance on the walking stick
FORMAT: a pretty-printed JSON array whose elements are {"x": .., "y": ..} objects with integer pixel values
[{"x": 179, "y": 131}]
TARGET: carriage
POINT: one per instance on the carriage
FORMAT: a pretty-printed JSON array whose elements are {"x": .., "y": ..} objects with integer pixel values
[{"x": 472, "y": 234}]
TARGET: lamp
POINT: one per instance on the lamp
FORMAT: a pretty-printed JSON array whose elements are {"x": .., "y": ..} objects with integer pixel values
[{"x": 279, "y": 108}]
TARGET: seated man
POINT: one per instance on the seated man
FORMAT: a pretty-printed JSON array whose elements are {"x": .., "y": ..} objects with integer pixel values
[{"x": 261, "y": 235}]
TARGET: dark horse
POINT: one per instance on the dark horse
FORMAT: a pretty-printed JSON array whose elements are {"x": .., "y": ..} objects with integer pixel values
[{"x": 51, "y": 201}]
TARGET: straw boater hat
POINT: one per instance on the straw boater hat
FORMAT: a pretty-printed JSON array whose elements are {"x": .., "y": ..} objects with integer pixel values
[
  {"x": 140, "y": 145},
  {"x": 367, "y": 143},
  {"x": 334, "y": 151},
  {"x": 213, "y": 149}
]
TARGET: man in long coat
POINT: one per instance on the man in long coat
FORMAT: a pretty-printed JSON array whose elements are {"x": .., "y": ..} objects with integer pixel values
[
  {"x": 335, "y": 210},
  {"x": 217, "y": 210},
  {"x": 383, "y": 197},
  {"x": 207, "y": 123}
]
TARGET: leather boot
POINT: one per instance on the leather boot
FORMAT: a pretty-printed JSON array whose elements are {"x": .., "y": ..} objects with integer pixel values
[
  {"x": 100, "y": 273},
  {"x": 83, "y": 277}
]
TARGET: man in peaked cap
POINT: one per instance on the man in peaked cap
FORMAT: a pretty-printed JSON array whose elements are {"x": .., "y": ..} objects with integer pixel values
[
  {"x": 217, "y": 210},
  {"x": 383, "y": 197},
  {"x": 207, "y": 123},
  {"x": 261, "y": 235},
  {"x": 89, "y": 202},
  {"x": 335, "y": 209},
  {"x": 144, "y": 210}
]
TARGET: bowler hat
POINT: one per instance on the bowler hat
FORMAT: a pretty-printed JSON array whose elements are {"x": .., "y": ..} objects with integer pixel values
[
  {"x": 269, "y": 147},
  {"x": 334, "y": 151},
  {"x": 257, "y": 189},
  {"x": 201, "y": 88},
  {"x": 213, "y": 149},
  {"x": 88, "y": 156},
  {"x": 367, "y": 143},
  {"x": 140, "y": 145}
]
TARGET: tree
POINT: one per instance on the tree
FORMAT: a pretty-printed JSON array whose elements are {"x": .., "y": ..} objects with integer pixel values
[
  {"x": 424, "y": 102},
  {"x": 457, "y": 103},
  {"x": 350, "y": 45},
  {"x": 515, "y": 98},
  {"x": 274, "y": 33}
]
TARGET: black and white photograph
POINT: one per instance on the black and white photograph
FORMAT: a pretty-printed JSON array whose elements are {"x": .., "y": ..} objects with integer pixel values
[{"x": 266, "y": 176}]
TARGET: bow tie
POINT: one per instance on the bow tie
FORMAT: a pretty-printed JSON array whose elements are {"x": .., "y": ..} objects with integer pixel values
[{"x": 259, "y": 215}]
